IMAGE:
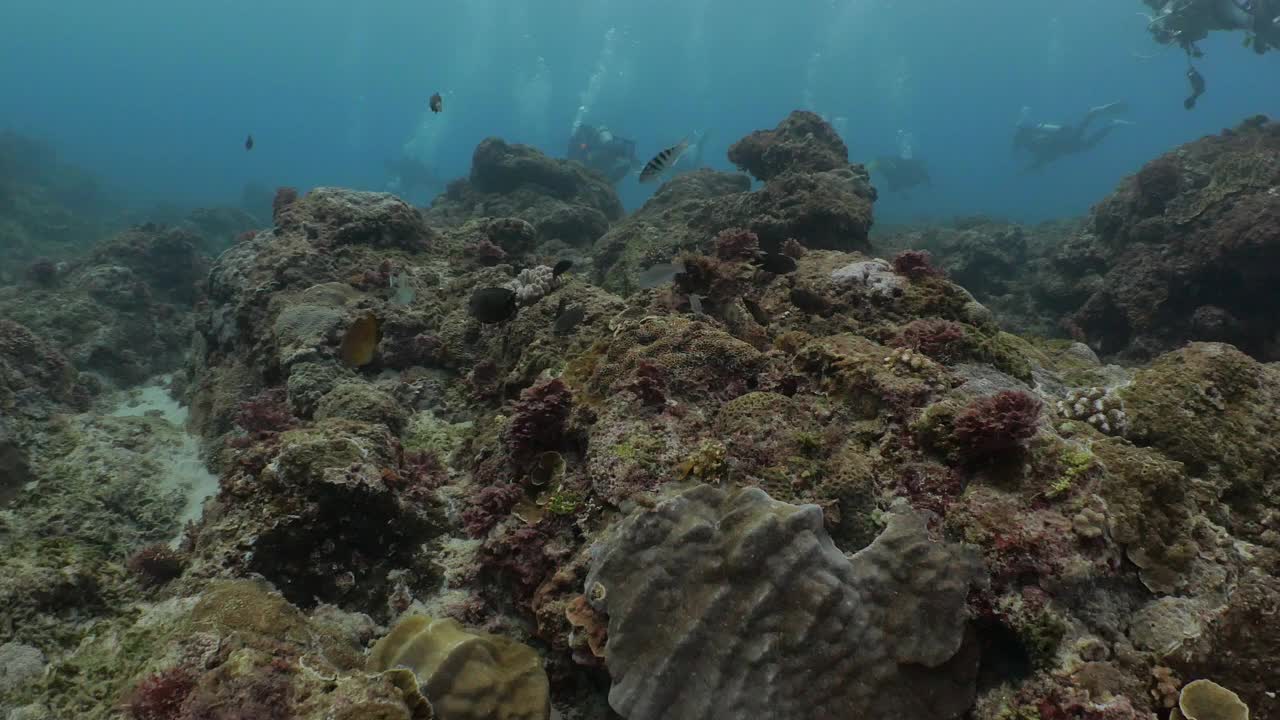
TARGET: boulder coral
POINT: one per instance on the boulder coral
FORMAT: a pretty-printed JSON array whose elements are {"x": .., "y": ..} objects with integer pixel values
[{"x": 733, "y": 574}]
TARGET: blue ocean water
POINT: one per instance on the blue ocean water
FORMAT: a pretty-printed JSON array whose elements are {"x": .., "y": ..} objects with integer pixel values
[{"x": 157, "y": 97}]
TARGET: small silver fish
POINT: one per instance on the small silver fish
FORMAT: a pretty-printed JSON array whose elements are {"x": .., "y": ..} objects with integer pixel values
[{"x": 663, "y": 161}]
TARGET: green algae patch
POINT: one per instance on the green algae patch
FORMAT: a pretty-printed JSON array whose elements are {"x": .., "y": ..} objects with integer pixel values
[
  {"x": 1148, "y": 510},
  {"x": 1214, "y": 409}
]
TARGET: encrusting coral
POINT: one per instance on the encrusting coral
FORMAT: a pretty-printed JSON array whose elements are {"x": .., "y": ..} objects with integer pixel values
[
  {"x": 465, "y": 676},
  {"x": 732, "y": 575}
]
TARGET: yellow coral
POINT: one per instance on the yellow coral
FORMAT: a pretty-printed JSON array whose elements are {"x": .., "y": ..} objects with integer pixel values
[
  {"x": 1207, "y": 700},
  {"x": 464, "y": 675},
  {"x": 360, "y": 342}
]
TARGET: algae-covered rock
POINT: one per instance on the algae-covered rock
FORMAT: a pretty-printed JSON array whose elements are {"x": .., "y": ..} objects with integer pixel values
[
  {"x": 1213, "y": 408},
  {"x": 465, "y": 675},
  {"x": 749, "y": 596},
  {"x": 364, "y": 402}
]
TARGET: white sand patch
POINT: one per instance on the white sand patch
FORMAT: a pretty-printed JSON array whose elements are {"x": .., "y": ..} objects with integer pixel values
[{"x": 182, "y": 468}]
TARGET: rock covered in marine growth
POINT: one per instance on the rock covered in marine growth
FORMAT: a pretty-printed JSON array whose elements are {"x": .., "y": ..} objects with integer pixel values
[
  {"x": 1190, "y": 247},
  {"x": 122, "y": 312},
  {"x": 812, "y": 196},
  {"x": 803, "y": 142},
  {"x": 561, "y": 199},
  {"x": 749, "y": 596},
  {"x": 336, "y": 216}
]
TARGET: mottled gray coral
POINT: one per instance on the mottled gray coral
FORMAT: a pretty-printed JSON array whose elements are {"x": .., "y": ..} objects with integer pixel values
[
  {"x": 872, "y": 277},
  {"x": 1097, "y": 406},
  {"x": 728, "y": 604},
  {"x": 532, "y": 284}
]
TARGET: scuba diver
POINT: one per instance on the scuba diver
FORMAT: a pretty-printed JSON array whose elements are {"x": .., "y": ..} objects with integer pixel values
[
  {"x": 599, "y": 149},
  {"x": 903, "y": 171},
  {"x": 409, "y": 176},
  {"x": 900, "y": 174},
  {"x": 1048, "y": 142}
]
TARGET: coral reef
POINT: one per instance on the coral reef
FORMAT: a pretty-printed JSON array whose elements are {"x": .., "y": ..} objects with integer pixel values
[
  {"x": 803, "y": 142},
  {"x": 124, "y": 311},
  {"x": 728, "y": 444},
  {"x": 1188, "y": 249},
  {"x": 559, "y": 200},
  {"x": 820, "y": 201}
]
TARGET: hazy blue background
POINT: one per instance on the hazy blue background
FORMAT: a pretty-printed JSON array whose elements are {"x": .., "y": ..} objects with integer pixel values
[{"x": 158, "y": 97}]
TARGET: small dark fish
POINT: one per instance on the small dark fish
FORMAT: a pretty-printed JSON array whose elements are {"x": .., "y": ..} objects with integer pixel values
[
  {"x": 659, "y": 274},
  {"x": 757, "y": 313},
  {"x": 776, "y": 263},
  {"x": 1197, "y": 87},
  {"x": 493, "y": 305},
  {"x": 436, "y": 103},
  {"x": 248, "y": 143},
  {"x": 663, "y": 161},
  {"x": 561, "y": 268},
  {"x": 809, "y": 301},
  {"x": 569, "y": 320}
]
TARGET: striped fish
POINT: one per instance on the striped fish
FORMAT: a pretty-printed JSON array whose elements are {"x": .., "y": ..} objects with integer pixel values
[{"x": 663, "y": 161}]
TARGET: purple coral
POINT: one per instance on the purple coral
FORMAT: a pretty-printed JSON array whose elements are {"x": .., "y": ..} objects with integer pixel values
[
  {"x": 156, "y": 565},
  {"x": 539, "y": 418},
  {"x": 485, "y": 252},
  {"x": 916, "y": 264},
  {"x": 488, "y": 506},
  {"x": 942, "y": 340},
  {"x": 160, "y": 696},
  {"x": 736, "y": 244},
  {"x": 648, "y": 385},
  {"x": 266, "y": 413},
  {"x": 995, "y": 425}
]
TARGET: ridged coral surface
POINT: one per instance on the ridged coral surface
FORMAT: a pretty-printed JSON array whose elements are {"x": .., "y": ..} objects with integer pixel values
[{"x": 729, "y": 604}]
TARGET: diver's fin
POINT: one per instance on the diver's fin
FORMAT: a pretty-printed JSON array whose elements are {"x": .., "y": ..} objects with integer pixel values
[{"x": 701, "y": 146}]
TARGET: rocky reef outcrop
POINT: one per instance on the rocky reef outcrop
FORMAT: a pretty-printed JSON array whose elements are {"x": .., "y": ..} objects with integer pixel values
[
  {"x": 811, "y": 194},
  {"x": 122, "y": 311},
  {"x": 562, "y": 200},
  {"x": 824, "y": 483}
]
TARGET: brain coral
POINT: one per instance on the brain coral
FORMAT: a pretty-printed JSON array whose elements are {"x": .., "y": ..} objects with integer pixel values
[
  {"x": 464, "y": 675},
  {"x": 749, "y": 596}
]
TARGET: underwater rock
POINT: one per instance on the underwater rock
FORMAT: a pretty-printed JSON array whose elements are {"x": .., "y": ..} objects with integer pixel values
[
  {"x": 123, "y": 312},
  {"x": 1198, "y": 227},
  {"x": 336, "y": 216},
  {"x": 33, "y": 374},
  {"x": 560, "y": 199},
  {"x": 322, "y": 512},
  {"x": 731, "y": 575},
  {"x": 803, "y": 142},
  {"x": 1213, "y": 408}
]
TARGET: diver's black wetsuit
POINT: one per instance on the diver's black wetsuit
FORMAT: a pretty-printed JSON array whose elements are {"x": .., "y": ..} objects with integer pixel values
[
  {"x": 601, "y": 150},
  {"x": 1047, "y": 142}
]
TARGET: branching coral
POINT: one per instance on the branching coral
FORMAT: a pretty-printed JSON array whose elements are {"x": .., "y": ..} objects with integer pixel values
[
  {"x": 736, "y": 244},
  {"x": 538, "y": 419},
  {"x": 161, "y": 696},
  {"x": 266, "y": 413},
  {"x": 916, "y": 264},
  {"x": 942, "y": 340},
  {"x": 488, "y": 506},
  {"x": 995, "y": 425},
  {"x": 156, "y": 565}
]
